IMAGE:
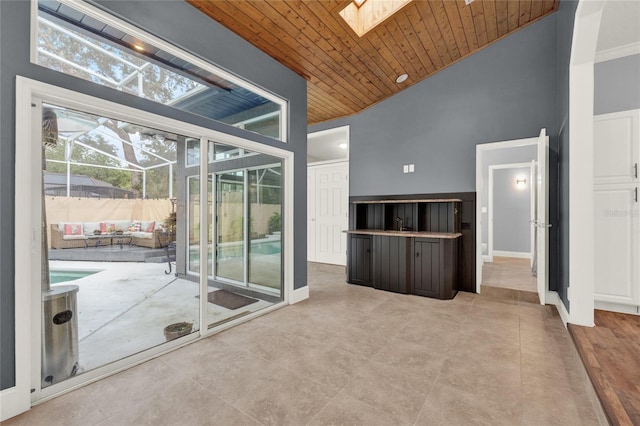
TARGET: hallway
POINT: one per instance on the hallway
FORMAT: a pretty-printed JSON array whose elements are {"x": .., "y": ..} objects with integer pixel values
[{"x": 509, "y": 272}]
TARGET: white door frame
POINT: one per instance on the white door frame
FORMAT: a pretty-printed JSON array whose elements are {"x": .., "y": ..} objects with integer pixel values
[
  {"x": 581, "y": 198},
  {"x": 27, "y": 252},
  {"x": 542, "y": 218},
  {"x": 480, "y": 149},
  {"x": 490, "y": 201}
]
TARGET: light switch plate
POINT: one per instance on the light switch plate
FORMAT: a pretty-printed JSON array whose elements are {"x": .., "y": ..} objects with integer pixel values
[
  {"x": 405, "y": 168},
  {"x": 412, "y": 168},
  {"x": 484, "y": 210}
]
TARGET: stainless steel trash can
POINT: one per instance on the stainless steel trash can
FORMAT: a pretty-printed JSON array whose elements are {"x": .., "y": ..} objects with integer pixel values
[{"x": 60, "y": 354}]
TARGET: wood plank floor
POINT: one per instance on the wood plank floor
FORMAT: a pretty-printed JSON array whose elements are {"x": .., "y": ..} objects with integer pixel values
[{"x": 610, "y": 352}]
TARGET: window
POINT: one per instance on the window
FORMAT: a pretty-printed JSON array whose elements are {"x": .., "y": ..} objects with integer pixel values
[{"x": 81, "y": 41}]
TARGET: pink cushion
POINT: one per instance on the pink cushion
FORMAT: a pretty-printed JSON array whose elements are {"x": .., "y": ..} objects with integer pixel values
[
  {"x": 150, "y": 227},
  {"x": 107, "y": 227},
  {"x": 134, "y": 227},
  {"x": 72, "y": 229}
]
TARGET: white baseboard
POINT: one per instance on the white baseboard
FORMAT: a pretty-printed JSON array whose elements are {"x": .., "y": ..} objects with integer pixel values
[
  {"x": 517, "y": 254},
  {"x": 299, "y": 294},
  {"x": 553, "y": 299},
  {"x": 617, "y": 307}
]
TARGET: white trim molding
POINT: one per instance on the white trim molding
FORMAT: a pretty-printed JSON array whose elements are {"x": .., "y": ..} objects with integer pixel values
[
  {"x": 299, "y": 294},
  {"x": 581, "y": 196},
  {"x": 515, "y": 254},
  {"x": 618, "y": 52},
  {"x": 553, "y": 299}
]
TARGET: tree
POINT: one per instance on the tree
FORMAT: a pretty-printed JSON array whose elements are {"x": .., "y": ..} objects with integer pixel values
[
  {"x": 118, "y": 178},
  {"x": 118, "y": 68}
]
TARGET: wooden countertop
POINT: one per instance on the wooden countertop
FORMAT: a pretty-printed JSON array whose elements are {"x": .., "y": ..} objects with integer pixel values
[
  {"x": 408, "y": 234},
  {"x": 406, "y": 201}
]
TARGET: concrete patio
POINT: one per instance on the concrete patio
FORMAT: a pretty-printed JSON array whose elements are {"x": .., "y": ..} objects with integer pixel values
[{"x": 124, "y": 308}]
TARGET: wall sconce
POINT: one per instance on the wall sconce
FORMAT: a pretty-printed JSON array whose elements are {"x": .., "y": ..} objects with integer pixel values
[{"x": 521, "y": 183}]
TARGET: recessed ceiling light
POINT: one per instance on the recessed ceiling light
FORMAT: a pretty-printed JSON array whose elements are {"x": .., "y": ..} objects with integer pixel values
[
  {"x": 343, "y": 145},
  {"x": 401, "y": 78},
  {"x": 138, "y": 47}
]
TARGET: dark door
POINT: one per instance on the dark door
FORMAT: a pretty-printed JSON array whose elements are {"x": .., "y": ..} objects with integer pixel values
[
  {"x": 359, "y": 259},
  {"x": 426, "y": 267},
  {"x": 391, "y": 263}
]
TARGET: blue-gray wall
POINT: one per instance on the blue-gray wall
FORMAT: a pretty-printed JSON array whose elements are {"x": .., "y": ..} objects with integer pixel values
[
  {"x": 617, "y": 85},
  {"x": 509, "y": 90},
  {"x": 519, "y": 154},
  {"x": 511, "y": 210},
  {"x": 172, "y": 20},
  {"x": 505, "y": 91}
]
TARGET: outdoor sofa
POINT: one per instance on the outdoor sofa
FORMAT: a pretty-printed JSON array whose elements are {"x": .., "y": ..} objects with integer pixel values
[{"x": 143, "y": 233}]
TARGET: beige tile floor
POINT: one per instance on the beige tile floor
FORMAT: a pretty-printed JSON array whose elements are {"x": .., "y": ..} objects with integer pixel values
[
  {"x": 352, "y": 355},
  {"x": 509, "y": 272}
]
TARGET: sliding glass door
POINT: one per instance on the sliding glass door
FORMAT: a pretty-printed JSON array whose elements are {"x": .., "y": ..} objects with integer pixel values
[
  {"x": 265, "y": 216},
  {"x": 230, "y": 226}
]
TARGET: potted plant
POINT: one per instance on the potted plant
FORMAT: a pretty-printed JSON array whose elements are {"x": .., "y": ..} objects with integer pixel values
[
  {"x": 176, "y": 330},
  {"x": 275, "y": 223}
]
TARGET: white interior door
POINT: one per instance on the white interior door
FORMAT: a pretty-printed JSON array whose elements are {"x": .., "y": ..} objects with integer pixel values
[
  {"x": 311, "y": 214},
  {"x": 329, "y": 200},
  {"x": 542, "y": 216}
]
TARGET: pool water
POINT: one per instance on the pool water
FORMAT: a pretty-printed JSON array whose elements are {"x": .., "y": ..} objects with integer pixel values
[
  {"x": 60, "y": 276},
  {"x": 266, "y": 248}
]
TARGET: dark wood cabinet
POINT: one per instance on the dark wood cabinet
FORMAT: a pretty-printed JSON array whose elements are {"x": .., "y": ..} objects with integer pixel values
[
  {"x": 391, "y": 263},
  {"x": 417, "y": 244},
  {"x": 359, "y": 259},
  {"x": 435, "y": 267}
]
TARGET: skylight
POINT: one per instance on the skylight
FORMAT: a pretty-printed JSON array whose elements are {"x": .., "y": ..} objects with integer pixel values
[{"x": 364, "y": 15}]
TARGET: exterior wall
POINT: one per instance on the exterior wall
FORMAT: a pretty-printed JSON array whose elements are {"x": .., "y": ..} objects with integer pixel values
[{"x": 160, "y": 18}]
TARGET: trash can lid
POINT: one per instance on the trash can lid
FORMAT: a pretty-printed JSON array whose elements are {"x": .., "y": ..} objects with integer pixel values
[{"x": 59, "y": 291}]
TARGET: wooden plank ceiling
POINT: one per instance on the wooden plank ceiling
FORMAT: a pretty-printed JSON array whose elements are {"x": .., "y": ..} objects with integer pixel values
[{"x": 346, "y": 73}]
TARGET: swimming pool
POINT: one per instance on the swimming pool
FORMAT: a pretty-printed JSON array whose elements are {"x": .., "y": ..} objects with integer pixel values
[{"x": 61, "y": 275}]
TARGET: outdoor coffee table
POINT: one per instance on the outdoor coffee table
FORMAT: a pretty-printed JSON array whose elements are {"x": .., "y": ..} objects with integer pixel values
[{"x": 120, "y": 239}]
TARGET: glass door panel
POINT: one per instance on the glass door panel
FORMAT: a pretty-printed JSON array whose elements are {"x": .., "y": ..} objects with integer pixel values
[
  {"x": 193, "y": 242},
  {"x": 108, "y": 291},
  {"x": 265, "y": 213},
  {"x": 230, "y": 226}
]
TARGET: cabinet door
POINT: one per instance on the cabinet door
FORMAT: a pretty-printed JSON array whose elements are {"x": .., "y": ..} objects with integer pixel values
[
  {"x": 359, "y": 260},
  {"x": 616, "y": 244},
  {"x": 391, "y": 265},
  {"x": 615, "y": 141},
  {"x": 426, "y": 267}
]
